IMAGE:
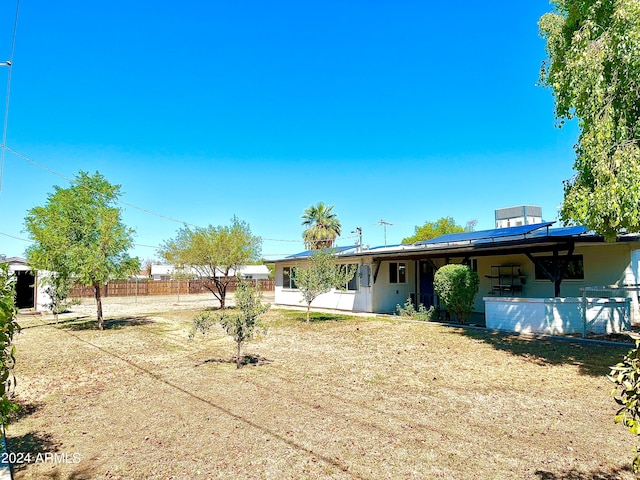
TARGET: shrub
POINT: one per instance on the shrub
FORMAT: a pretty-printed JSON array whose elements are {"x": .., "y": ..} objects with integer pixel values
[
  {"x": 457, "y": 287},
  {"x": 239, "y": 323},
  {"x": 626, "y": 378},
  {"x": 8, "y": 327},
  {"x": 409, "y": 311}
]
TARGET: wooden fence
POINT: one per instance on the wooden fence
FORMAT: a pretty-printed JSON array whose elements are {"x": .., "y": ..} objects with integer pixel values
[{"x": 132, "y": 288}]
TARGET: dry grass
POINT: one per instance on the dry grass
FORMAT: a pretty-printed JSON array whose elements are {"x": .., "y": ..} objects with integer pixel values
[{"x": 339, "y": 397}]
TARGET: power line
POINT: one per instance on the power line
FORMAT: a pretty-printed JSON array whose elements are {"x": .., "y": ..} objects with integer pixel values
[
  {"x": 127, "y": 204},
  {"x": 16, "y": 238},
  {"x": 8, "y": 64}
]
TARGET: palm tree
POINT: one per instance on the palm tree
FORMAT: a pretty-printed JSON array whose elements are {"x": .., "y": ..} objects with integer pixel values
[{"x": 322, "y": 225}]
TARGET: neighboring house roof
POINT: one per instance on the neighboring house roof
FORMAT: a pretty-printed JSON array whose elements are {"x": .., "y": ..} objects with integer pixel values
[
  {"x": 17, "y": 264},
  {"x": 525, "y": 238},
  {"x": 254, "y": 270},
  {"x": 20, "y": 260},
  {"x": 161, "y": 269}
]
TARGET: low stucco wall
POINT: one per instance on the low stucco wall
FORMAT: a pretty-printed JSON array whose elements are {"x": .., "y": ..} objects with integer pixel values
[{"x": 558, "y": 316}]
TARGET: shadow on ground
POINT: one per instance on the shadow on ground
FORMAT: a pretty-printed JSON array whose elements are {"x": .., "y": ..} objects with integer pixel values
[
  {"x": 249, "y": 359},
  {"x": 591, "y": 359},
  {"x": 25, "y": 408},
  {"x": 109, "y": 324},
  {"x": 32, "y": 444},
  {"x": 61, "y": 322},
  {"x": 612, "y": 474}
]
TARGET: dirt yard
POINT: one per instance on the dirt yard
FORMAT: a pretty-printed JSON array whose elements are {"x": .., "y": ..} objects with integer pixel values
[{"x": 339, "y": 397}]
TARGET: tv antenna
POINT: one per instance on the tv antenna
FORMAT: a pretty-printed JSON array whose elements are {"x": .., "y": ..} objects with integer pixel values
[{"x": 384, "y": 224}]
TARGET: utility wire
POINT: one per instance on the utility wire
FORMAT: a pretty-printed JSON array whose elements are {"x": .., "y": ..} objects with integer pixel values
[
  {"x": 144, "y": 210},
  {"x": 16, "y": 238},
  {"x": 8, "y": 64}
]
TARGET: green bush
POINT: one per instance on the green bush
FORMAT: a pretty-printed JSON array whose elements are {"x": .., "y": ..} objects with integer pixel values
[
  {"x": 8, "y": 327},
  {"x": 408, "y": 311},
  {"x": 626, "y": 378},
  {"x": 457, "y": 287}
]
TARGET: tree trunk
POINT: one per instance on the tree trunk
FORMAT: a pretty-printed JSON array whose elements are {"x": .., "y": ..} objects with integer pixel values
[
  {"x": 222, "y": 290},
  {"x": 96, "y": 287},
  {"x": 308, "y": 312},
  {"x": 238, "y": 355}
]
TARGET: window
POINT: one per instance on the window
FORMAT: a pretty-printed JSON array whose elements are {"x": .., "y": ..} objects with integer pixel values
[
  {"x": 397, "y": 272},
  {"x": 287, "y": 278},
  {"x": 573, "y": 267},
  {"x": 352, "y": 285}
]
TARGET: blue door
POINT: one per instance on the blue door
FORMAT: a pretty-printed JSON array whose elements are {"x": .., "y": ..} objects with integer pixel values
[{"x": 427, "y": 296}]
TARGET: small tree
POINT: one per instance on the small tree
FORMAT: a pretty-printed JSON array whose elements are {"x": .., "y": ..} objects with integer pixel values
[
  {"x": 321, "y": 274},
  {"x": 57, "y": 287},
  {"x": 214, "y": 253},
  {"x": 457, "y": 287},
  {"x": 626, "y": 377},
  {"x": 8, "y": 327},
  {"x": 79, "y": 235},
  {"x": 240, "y": 323}
]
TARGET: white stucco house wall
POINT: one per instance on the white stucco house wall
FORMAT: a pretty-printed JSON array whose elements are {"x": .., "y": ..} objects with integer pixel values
[{"x": 510, "y": 262}]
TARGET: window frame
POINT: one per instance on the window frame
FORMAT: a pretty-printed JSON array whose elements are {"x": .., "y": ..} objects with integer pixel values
[
  {"x": 354, "y": 280},
  {"x": 287, "y": 273},
  {"x": 398, "y": 273},
  {"x": 576, "y": 259}
]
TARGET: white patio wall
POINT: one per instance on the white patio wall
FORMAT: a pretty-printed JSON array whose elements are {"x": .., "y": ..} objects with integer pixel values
[{"x": 558, "y": 316}]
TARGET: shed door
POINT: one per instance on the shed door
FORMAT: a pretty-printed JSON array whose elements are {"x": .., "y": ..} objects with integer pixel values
[{"x": 25, "y": 287}]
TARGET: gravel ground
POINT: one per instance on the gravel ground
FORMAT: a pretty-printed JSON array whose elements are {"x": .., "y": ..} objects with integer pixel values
[{"x": 118, "y": 306}]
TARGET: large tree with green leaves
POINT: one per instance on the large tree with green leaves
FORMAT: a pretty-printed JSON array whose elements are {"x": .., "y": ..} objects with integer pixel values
[
  {"x": 323, "y": 226},
  {"x": 442, "y": 226},
  {"x": 79, "y": 234},
  {"x": 593, "y": 68},
  {"x": 320, "y": 274},
  {"x": 214, "y": 253}
]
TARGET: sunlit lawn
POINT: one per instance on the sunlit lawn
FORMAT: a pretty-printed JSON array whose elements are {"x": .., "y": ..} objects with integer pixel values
[{"x": 337, "y": 397}]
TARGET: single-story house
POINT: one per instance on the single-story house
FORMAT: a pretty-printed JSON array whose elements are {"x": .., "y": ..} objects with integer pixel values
[
  {"x": 30, "y": 292},
  {"x": 528, "y": 264},
  {"x": 167, "y": 272}
]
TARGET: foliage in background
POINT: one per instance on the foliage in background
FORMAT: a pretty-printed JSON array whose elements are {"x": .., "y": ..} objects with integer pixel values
[
  {"x": 626, "y": 377},
  {"x": 79, "y": 235},
  {"x": 320, "y": 274},
  {"x": 457, "y": 287},
  {"x": 240, "y": 323},
  {"x": 323, "y": 226},
  {"x": 593, "y": 68},
  {"x": 409, "y": 311},
  {"x": 214, "y": 253},
  {"x": 8, "y": 327},
  {"x": 435, "y": 229}
]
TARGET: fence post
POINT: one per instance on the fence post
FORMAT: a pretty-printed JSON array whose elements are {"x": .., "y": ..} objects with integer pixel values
[{"x": 584, "y": 312}]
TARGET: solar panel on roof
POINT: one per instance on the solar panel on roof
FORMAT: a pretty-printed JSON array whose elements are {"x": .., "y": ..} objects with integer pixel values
[
  {"x": 487, "y": 234},
  {"x": 561, "y": 232}
]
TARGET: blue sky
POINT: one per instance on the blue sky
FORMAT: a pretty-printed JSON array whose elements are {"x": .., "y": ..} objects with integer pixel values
[{"x": 405, "y": 111}]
